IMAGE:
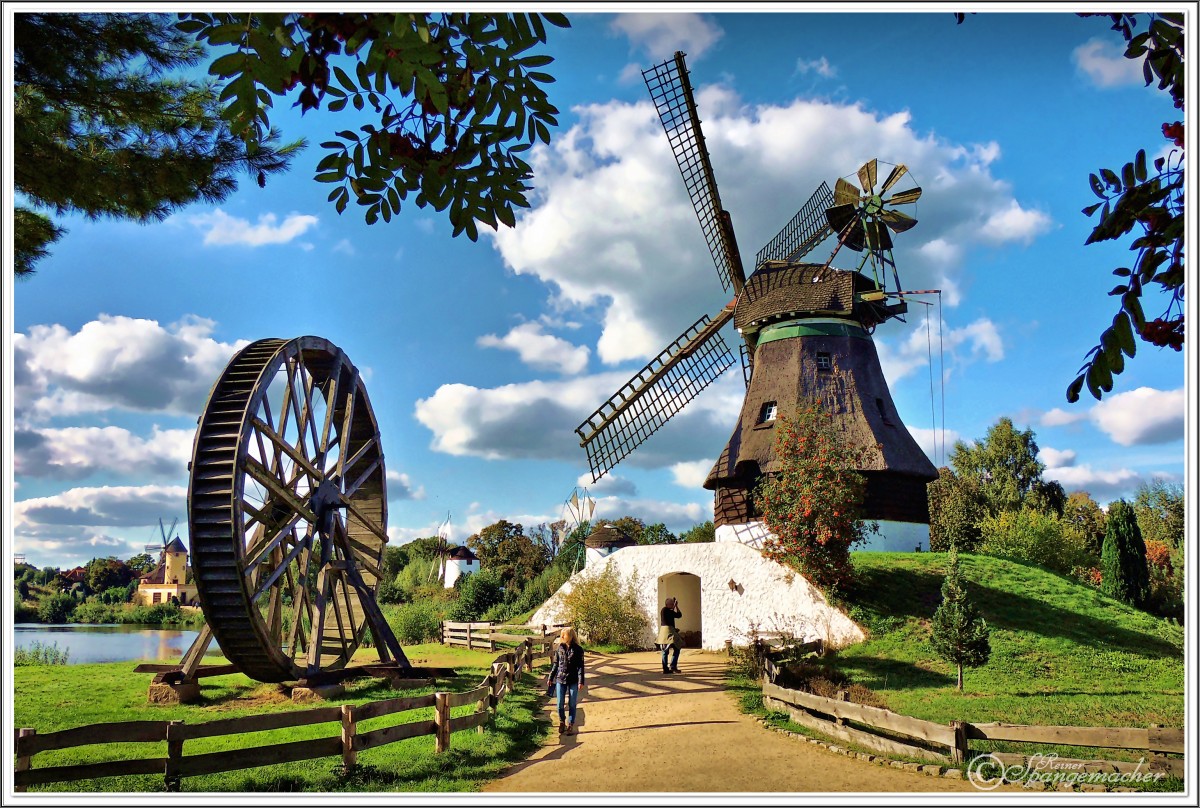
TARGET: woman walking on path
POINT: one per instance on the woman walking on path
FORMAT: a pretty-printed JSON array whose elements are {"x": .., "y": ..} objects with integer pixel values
[{"x": 566, "y": 677}]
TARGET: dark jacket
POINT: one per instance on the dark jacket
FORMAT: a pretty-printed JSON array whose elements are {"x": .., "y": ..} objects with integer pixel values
[
  {"x": 668, "y": 615},
  {"x": 567, "y": 667}
]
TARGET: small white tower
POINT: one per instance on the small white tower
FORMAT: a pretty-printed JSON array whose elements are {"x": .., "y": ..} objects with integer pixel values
[
  {"x": 460, "y": 561},
  {"x": 602, "y": 542}
]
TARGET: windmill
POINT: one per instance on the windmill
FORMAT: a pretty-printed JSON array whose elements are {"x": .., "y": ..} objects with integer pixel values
[
  {"x": 806, "y": 331},
  {"x": 577, "y": 508},
  {"x": 442, "y": 551},
  {"x": 166, "y": 535}
]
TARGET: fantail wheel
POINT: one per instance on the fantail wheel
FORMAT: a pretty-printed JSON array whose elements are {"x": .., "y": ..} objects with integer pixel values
[{"x": 287, "y": 509}]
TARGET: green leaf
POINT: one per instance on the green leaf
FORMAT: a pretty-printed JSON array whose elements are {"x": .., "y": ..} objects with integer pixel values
[
  {"x": 1127, "y": 176},
  {"x": 1088, "y": 211},
  {"x": 1140, "y": 165},
  {"x": 1073, "y": 389},
  {"x": 1111, "y": 178},
  {"x": 1124, "y": 333},
  {"x": 343, "y": 78}
]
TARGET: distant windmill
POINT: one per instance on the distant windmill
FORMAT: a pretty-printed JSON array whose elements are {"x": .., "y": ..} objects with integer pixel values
[
  {"x": 442, "y": 550},
  {"x": 166, "y": 535},
  {"x": 576, "y": 510}
]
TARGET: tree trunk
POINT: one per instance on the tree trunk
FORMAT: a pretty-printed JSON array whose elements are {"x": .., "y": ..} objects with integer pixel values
[{"x": 960, "y": 676}]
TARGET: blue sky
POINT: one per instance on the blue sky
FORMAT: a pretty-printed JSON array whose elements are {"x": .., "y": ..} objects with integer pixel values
[{"x": 481, "y": 358}]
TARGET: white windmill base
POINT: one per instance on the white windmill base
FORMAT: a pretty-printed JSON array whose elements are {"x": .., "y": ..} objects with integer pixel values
[
  {"x": 895, "y": 537},
  {"x": 727, "y": 590}
]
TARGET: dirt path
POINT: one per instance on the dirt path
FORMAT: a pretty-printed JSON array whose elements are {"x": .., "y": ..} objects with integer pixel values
[{"x": 642, "y": 731}]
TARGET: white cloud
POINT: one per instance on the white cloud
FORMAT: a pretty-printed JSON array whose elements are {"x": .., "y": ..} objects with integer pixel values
[
  {"x": 1103, "y": 61},
  {"x": 400, "y": 486},
  {"x": 1014, "y": 223},
  {"x": 692, "y": 473},
  {"x": 76, "y": 452},
  {"x": 1102, "y": 484},
  {"x": 819, "y": 66},
  {"x": 540, "y": 350},
  {"x": 344, "y": 247},
  {"x": 611, "y": 224},
  {"x": 608, "y": 484},
  {"x": 1056, "y": 458},
  {"x": 677, "y": 517},
  {"x": 79, "y": 524},
  {"x": 1142, "y": 416},
  {"x": 1060, "y": 417},
  {"x": 901, "y": 356},
  {"x": 117, "y": 363},
  {"x": 935, "y": 443},
  {"x": 658, "y": 36},
  {"x": 537, "y": 420},
  {"x": 221, "y": 229}
]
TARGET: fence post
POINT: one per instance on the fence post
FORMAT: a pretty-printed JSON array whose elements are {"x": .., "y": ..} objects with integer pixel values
[
  {"x": 470, "y": 636},
  {"x": 488, "y": 703},
  {"x": 958, "y": 753},
  {"x": 174, "y": 755},
  {"x": 842, "y": 695},
  {"x": 441, "y": 717},
  {"x": 349, "y": 729},
  {"x": 442, "y": 633},
  {"x": 24, "y": 762}
]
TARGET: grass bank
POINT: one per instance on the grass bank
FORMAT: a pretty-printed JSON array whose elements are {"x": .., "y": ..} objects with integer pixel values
[{"x": 51, "y": 698}]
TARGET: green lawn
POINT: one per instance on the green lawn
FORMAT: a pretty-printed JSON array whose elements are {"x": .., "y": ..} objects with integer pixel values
[{"x": 55, "y": 697}]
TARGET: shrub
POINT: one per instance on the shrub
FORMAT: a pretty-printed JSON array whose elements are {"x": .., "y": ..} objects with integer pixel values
[
  {"x": 477, "y": 592},
  {"x": 24, "y": 613},
  {"x": 96, "y": 611},
  {"x": 813, "y": 502},
  {"x": 607, "y": 612},
  {"x": 156, "y": 615},
  {"x": 390, "y": 592},
  {"x": 39, "y": 654},
  {"x": 1034, "y": 537},
  {"x": 1123, "y": 560},
  {"x": 416, "y": 622},
  {"x": 56, "y": 608},
  {"x": 960, "y": 634}
]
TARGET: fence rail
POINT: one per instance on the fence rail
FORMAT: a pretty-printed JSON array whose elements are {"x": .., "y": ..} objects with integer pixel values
[
  {"x": 896, "y": 734},
  {"x": 479, "y": 635},
  {"x": 506, "y": 670}
]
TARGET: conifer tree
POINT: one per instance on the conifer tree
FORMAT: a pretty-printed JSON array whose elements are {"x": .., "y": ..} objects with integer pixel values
[
  {"x": 960, "y": 634},
  {"x": 1123, "y": 559}
]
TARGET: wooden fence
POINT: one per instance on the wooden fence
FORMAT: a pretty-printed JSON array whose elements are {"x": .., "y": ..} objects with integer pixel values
[
  {"x": 507, "y": 668},
  {"x": 485, "y": 635},
  {"x": 901, "y": 735}
]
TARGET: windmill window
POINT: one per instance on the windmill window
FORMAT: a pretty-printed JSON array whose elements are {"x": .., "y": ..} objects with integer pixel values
[
  {"x": 768, "y": 412},
  {"x": 824, "y": 361}
]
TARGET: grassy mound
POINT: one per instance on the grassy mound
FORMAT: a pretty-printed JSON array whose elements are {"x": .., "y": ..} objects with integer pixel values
[{"x": 1062, "y": 653}]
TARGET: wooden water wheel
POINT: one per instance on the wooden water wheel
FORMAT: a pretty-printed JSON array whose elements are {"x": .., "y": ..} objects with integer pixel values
[{"x": 287, "y": 509}]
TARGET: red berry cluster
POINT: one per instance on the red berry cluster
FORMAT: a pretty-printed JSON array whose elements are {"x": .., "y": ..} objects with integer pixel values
[
  {"x": 1164, "y": 333},
  {"x": 1174, "y": 131}
]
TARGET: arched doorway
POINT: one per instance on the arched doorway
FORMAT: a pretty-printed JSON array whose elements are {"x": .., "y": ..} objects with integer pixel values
[{"x": 686, "y": 588}]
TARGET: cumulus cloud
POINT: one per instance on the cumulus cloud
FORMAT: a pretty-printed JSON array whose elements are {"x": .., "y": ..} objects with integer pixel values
[
  {"x": 1103, "y": 62},
  {"x": 1142, "y": 416},
  {"x": 537, "y": 420},
  {"x": 611, "y": 225},
  {"x": 1057, "y": 458},
  {"x": 901, "y": 357},
  {"x": 676, "y": 516},
  {"x": 657, "y": 36},
  {"x": 221, "y": 229},
  {"x": 117, "y": 363},
  {"x": 933, "y": 442},
  {"x": 73, "y": 453},
  {"x": 692, "y": 473},
  {"x": 400, "y": 486},
  {"x": 608, "y": 484},
  {"x": 539, "y": 349},
  {"x": 1060, "y": 417},
  {"x": 819, "y": 66},
  {"x": 1102, "y": 484}
]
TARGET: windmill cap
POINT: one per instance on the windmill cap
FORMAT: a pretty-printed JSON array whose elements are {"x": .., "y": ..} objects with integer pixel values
[
  {"x": 462, "y": 553},
  {"x": 608, "y": 536}
]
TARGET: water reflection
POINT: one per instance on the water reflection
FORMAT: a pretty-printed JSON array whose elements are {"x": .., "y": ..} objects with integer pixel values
[{"x": 109, "y": 643}]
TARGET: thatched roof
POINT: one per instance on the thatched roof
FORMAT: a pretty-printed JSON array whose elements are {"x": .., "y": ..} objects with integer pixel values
[
  {"x": 607, "y": 536},
  {"x": 462, "y": 553}
]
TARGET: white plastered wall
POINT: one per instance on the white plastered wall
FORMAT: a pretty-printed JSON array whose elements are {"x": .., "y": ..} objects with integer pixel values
[{"x": 765, "y": 595}]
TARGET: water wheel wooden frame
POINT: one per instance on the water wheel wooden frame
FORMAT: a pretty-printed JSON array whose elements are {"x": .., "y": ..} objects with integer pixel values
[{"x": 287, "y": 511}]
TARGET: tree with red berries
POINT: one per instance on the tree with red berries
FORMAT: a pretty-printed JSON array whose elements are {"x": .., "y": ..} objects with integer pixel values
[
  {"x": 451, "y": 101},
  {"x": 813, "y": 502},
  {"x": 1150, "y": 204}
]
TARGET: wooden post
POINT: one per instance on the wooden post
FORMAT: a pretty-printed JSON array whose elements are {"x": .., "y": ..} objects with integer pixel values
[
  {"x": 174, "y": 755},
  {"x": 842, "y": 695},
  {"x": 349, "y": 729},
  {"x": 24, "y": 762},
  {"x": 958, "y": 753},
  {"x": 442, "y": 633},
  {"x": 487, "y": 703},
  {"x": 441, "y": 717},
  {"x": 470, "y": 638}
]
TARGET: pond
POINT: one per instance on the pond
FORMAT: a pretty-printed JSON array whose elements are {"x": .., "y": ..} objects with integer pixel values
[{"x": 109, "y": 643}]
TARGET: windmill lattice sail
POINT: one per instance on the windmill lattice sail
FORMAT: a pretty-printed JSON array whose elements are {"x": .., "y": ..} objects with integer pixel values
[
  {"x": 672, "y": 95},
  {"x": 806, "y": 230},
  {"x": 656, "y": 393}
]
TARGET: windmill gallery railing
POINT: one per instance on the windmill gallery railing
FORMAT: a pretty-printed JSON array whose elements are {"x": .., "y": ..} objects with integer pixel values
[
  {"x": 506, "y": 670},
  {"x": 899, "y": 735}
]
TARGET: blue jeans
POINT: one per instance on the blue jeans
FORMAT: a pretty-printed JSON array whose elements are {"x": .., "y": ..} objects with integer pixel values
[
  {"x": 674, "y": 657},
  {"x": 572, "y": 694}
]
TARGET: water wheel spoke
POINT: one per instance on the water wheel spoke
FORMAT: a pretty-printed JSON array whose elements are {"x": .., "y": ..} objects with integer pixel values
[
  {"x": 295, "y": 454},
  {"x": 307, "y": 383},
  {"x": 331, "y": 397},
  {"x": 269, "y": 580},
  {"x": 353, "y": 460},
  {"x": 339, "y": 584},
  {"x": 295, "y": 399},
  {"x": 347, "y": 420},
  {"x": 262, "y": 545},
  {"x": 300, "y": 601},
  {"x": 318, "y": 625},
  {"x": 260, "y": 473}
]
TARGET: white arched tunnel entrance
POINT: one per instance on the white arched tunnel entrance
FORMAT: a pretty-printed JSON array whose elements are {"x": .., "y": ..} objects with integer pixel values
[{"x": 684, "y": 587}]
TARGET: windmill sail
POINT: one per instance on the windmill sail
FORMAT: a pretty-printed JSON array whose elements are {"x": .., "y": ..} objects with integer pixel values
[
  {"x": 806, "y": 230},
  {"x": 672, "y": 93},
  {"x": 656, "y": 393}
]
